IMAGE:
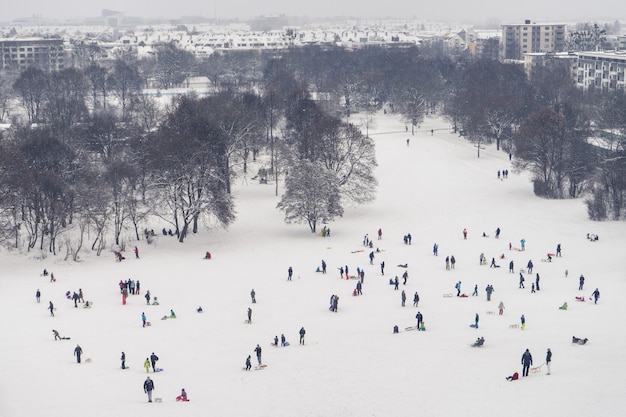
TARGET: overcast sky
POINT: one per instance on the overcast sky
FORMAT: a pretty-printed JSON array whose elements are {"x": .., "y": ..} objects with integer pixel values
[{"x": 439, "y": 10}]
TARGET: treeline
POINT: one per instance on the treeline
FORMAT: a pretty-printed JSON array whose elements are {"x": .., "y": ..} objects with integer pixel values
[{"x": 90, "y": 150}]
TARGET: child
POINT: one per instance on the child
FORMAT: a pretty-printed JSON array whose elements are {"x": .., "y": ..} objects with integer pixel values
[{"x": 182, "y": 396}]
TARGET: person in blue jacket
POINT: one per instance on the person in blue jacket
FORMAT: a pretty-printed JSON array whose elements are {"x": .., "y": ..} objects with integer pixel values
[{"x": 527, "y": 360}]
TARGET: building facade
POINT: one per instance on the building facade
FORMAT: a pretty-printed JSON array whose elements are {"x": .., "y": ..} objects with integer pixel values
[
  {"x": 603, "y": 70},
  {"x": 47, "y": 54},
  {"x": 520, "y": 39}
]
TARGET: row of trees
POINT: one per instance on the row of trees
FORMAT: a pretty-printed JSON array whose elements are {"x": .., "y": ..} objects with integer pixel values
[{"x": 93, "y": 153}]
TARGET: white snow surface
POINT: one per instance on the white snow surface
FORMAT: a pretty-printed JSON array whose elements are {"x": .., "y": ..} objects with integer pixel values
[{"x": 352, "y": 364}]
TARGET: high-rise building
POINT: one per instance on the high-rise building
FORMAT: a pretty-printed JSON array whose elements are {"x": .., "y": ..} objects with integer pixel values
[
  {"x": 47, "y": 54},
  {"x": 519, "y": 39}
]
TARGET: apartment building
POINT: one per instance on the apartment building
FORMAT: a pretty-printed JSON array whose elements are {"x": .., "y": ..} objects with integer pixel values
[
  {"x": 602, "y": 70},
  {"x": 520, "y": 39},
  {"x": 47, "y": 54}
]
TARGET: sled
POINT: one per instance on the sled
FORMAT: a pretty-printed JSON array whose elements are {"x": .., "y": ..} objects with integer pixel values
[
  {"x": 449, "y": 294},
  {"x": 522, "y": 271},
  {"x": 580, "y": 299},
  {"x": 513, "y": 326},
  {"x": 410, "y": 328},
  {"x": 158, "y": 400},
  {"x": 259, "y": 367},
  {"x": 148, "y": 323},
  {"x": 490, "y": 312},
  {"x": 358, "y": 251},
  {"x": 536, "y": 369},
  {"x": 158, "y": 370},
  {"x": 88, "y": 360}
]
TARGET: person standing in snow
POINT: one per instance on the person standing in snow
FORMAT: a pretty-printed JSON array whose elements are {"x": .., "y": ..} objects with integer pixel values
[
  {"x": 527, "y": 361},
  {"x": 476, "y": 317},
  {"x": 416, "y": 299},
  {"x": 523, "y": 244},
  {"x": 136, "y": 252},
  {"x": 382, "y": 268},
  {"x": 78, "y": 351},
  {"x": 123, "y": 359},
  {"x": 258, "y": 349},
  {"x": 249, "y": 315},
  {"x": 380, "y": 234},
  {"x": 581, "y": 282},
  {"x": 253, "y": 296},
  {"x": 498, "y": 233},
  {"x": 146, "y": 364},
  {"x": 420, "y": 320},
  {"x": 371, "y": 258},
  {"x": 452, "y": 261},
  {"x": 359, "y": 288},
  {"x": 464, "y": 233},
  {"x": 501, "y": 308},
  {"x": 148, "y": 387},
  {"x": 529, "y": 266},
  {"x": 144, "y": 320},
  {"x": 548, "y": 360},
  {"x": 395, "y": 283},
  {"x": 323, "y": 266},
  {"x": 489, "y": 291},
  {"x": 458, "y": 288},
  {"x": 436, "y": 249},
  {"x": 51, "y": 308},
  {"x": 537, "y": 282},
  {"x": 521, "y": 280},
  {"x": 403, "y": 298},
  {"x": 38, "y": 295},
  {"x": 447, "y": 263},
  {"x": 248, "y": 363},
  {"x": 147, "y": 297},
  {"x": 302, "y": 332},
  {"x": 523, "y": 321},
  {"x": 511, "y": 267},
  {"x": 405, "y": 276},
  {"x": 558, "y": 249},
  {"x": 289, "y": 273}
]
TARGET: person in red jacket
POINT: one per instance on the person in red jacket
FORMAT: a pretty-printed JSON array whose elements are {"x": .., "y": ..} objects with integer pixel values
[
  {"x": 182, "y": 396},
  {"x": 513, "y": 377}
]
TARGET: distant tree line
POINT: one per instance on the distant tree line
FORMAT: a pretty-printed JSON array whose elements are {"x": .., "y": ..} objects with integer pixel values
[{"x": 92, "y": 154}]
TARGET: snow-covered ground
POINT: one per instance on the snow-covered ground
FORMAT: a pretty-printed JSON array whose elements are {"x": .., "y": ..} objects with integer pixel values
[{"x": 351, "y": 364}]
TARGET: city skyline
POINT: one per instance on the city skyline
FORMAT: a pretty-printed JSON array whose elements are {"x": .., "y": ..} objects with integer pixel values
[{"x": 446, "y": 10}]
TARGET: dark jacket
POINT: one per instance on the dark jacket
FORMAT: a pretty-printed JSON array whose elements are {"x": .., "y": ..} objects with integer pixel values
[
  {"x": 148, "y": 385},
  {"x": 527, "y": 358}
]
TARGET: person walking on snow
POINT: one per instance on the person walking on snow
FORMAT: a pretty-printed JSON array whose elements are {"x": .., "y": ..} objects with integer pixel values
[
  {"x": 476, "y": 320},
  {"x": 148, "y": 387},
  {"x": 253, "y": 296},
  {"x": 452, "y": 261},
  {"x": 257, "y": 349},
  {"x": 558, "y": 249},
  {"x": 464, "y": 233},
  {"x": 136, "y": 252},
  {"x": 144, "y": 321},
  {"x": 521, "y": 280},
  {"x": 289, "y": 273},
  {"x": 248, "y": 363},
  {"x": 501, "y": 308},
  {"x": 595, "y": 295},
  {"x": 302, "y": 332},
  {"x": 403, "y": 298},
  {"x": 382, "y": 268},
  {"x": 405, "y": 276},
  {"x": 51, "y": 308},
  {"x": 146, "y": 364},
  {"x": 380, "y": 234},
  {"x": 458, "y": 288},
  {"x": 78, "y": 351},
  {"x": 475, "y": 293},
  {"x": 153, "y": 360},
  {"x": 529, "y": 266},
  {"x": 527, "y": 361},
  {"x": 548, "y": 360}
]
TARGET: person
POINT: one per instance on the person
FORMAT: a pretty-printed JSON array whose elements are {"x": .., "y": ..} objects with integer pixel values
[
  {"x": 537, "y": 282},
  {"x": 523, "y": 244},
  {"x": 51, "y": 308},
  {"x": 156, "y": 301},
  {"x": 493, "y": 263},
  {"x": 452, "y": 261},
  {"x": 276, "y": 340},
  {"x": 146, "y": 364},
  {"x": 302, "y": 333},
  {"x": 380, "y": 234},
  {"x": 38, "y": 295},
  {"x": 323, "y": 266},
  {"x": 283, "y": 340},
  {"x": 359, "y": 288},
  {"x": 458, "y": 288},
  {"x": 464, "y": 233},
  {"x": 523, "y": 321},
  {"x": 558, "y": 249},
  {"x": 501, "y": 308},
  {"x": 144, "y": 320},
  {"x": 475, "y": 293},
  {"x": 253, "y": 295},
  {"x": 405, "y": 276},
  {"x": 249, "y": 315},
  {"x": 147, "y": 296},
  {"x": 207, "y": 255},
  {"x": 521, "y": 280},
  {"x": 476, "y": 317},
  {"x": 153, "y": 360},
  {"x": 56, "y": 335},
  {"x": 382, "y": 268},
  {"x": 123, "y": 359},
  {"x": 182, "y": 396},
  {"x": 81, "y": 296},
  {"x": 75, "y": 299},
  {"x": 289, "y": 273},
  {"x": 403, "y": 298},
  {"x": 488, "y": 291},
  {"x": 436, "y": 249},
  {"x": 199, "y": 309},
  {"x": 416, "y": 299},
  {"x": 78, "y": 351},
  {"x": 513, "y": 377},
  {"x": 511, "y": 269},
  {"x": 595, "y": 295},
  {"x": 395, "y": 283},
  {"x": 479, "y": 342},
  {"x": 258, "y": 349},
  {"x": 529, "y": 266},
  {"x": 148, "y": 387},
  {"x": 248, "y": 363},
  {"x": 581, "y": 282},
  {"x": 564, "y": 306},
  {"x": 172, "y": 314},
  {"x": 548, "y": 360},
  {"x": 498, "y": 233},
  {"x": 527, "y": 361},
  {"x": 371, "y": 258},
  {"x": 136, "y": 252},
  {"x": 420, "y": 319}
]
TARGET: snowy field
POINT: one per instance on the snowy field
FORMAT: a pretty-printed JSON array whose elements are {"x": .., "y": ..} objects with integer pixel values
[{"x": 351, "y": 364}]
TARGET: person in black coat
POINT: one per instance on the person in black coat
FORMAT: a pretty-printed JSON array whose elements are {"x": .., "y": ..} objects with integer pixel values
[
  {"x": 148, "y": 387},
  {"x": 527, "y": 361},
  {"x": 548, "y": 360}
]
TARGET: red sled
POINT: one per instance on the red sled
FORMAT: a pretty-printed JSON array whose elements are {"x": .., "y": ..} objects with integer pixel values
[{"x": 580, "y": 298}]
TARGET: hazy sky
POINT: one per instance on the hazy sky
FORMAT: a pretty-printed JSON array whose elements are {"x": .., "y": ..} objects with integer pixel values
[{"x": 537, "y": 10}]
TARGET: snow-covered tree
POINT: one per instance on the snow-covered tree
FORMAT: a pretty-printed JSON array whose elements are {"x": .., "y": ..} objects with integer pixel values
[{"x": 311, "y": 195}]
